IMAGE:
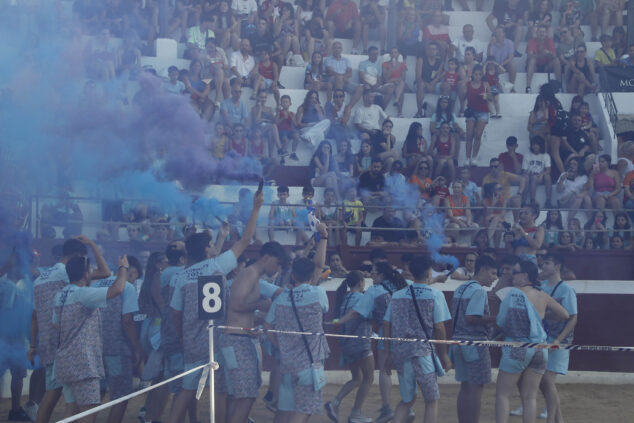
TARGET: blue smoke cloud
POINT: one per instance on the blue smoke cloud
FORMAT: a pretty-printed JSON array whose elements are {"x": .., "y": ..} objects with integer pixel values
[{"x": 406, "y": 195}]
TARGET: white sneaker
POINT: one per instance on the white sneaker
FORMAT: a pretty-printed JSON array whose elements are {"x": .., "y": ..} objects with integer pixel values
[
  {"x": 30, "y": 409},
  {"x": 359, "y": 418},
  {"x": 543, "y": 415},
  {"x": 355, "y": 51},
  {"x": 517, "y": 412}
]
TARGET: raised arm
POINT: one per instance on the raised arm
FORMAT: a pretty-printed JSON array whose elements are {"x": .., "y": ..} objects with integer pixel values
[
  {"x": 122, "y": 275},
  {"x": 239, "y": 247},
  {"x": 103, "y": 271},
  {"x": 320, "y": 255}
]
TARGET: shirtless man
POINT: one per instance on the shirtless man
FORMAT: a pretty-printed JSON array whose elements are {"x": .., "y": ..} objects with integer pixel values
[
  {"x": 240, "y": 352},
  {"x": 192, "y": 332}
]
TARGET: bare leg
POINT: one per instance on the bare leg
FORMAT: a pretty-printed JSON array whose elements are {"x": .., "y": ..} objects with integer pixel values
[
  {"x": 117, "y": 412},
  {"x": 180, "y": 405},
  {"x": 477, "y": 139},
  {"x": 503, "y": 388},
  {"x": 385, "y": 381},
  {"x": 239, "y": 410},
  {"x": 47, "y": 405},
  {"x": 367, "y": 370},
  {"x": 528, "y": 392},
  {"x": 553, "y": 405}
]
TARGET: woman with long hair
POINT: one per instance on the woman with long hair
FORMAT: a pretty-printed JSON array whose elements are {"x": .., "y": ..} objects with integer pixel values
[
  {"x": 478, "y": 94},
  {"x": 493, "y": 218},
  {"x": 606, "y": 184},
  {"x": 415, "y": 145},
  {"x": 623, "y": 228},
  {"x": 199, "y": 90},
  {"x": 553, "y": 225},
  {"x": 315, "y": 77},
  {"x": 311, "y": 120},
  {"x": 153, "y": 305},
  {"x": 344, "y": 158},
  {"x": 363, "y": 159},
  {"x": 323, "y": 168},
  {"x": 538, "y": 119},
  {"x": 373, "y": 305},
  {"x": 355, "y": 353}
]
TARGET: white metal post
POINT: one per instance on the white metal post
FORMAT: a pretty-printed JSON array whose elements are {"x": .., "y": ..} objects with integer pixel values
[{"x": 212, "y": 405}]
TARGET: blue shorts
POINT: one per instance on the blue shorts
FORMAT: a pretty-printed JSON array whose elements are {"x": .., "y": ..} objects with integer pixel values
[
  {"x": 268, "y": 83},
  {"x": 287, "y": 134},
  {"x": 479, "y": 116},
  {"x": 118, "y": 375},
  {"x": 516, "y": 360},
  {"x": 418, "y": 371},
  {"x": 349, "y": 358},
  {"x": 558, "y": 361},
  {"x": 297, "y": 393},
  {"x": 51, "y": 380},
  {"x": 173, "y": 366},
  {"x": 83, "y": 392},
  {"x": 472, "y": 363},
  {"x": 190, "y": 381}
]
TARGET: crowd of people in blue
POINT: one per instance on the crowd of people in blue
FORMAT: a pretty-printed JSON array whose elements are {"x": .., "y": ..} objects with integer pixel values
[{"x": 94, "y": 329}]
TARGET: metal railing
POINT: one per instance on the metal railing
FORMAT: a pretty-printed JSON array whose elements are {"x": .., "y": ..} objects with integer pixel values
[{"x": 608, "y": 98}]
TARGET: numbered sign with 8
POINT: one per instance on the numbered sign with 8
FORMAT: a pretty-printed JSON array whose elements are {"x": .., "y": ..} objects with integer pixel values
[{"x": 211, "y": 297}]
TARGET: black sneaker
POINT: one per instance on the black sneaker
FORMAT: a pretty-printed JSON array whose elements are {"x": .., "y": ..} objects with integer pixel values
[
  {"x": 529, "y": 90},
  {"x": 293, "y": 156},
  {"x": 18, "y": 416},
  {"x": 517, "y": 54}
]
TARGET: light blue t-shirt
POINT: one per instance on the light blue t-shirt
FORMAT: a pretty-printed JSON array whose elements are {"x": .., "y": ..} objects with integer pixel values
[
  {"x": 129, "y": 297},
  {"x": 519, "y": 319},
  {"x": 374, "y": 301},
  {"x": 401, "y": 313},
  {"x": 339, "y": 66},
  {"x": 224, "y": 263},
  {"x": 168, "y": 273},
  {"x": 88, "y": 296},
  {"x": 440, "y": 312},
  {"x": 567, "y": 297},
  {"x": 177, "y": 88},
  {"x": 311, "y": 303},
  {"x": 371, "y": 68},
  {"x": 237, "y": 112},
  {"x": 470, "y": 299}
]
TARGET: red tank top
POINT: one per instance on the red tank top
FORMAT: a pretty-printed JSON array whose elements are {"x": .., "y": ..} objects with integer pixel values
[
  {"x": 266, "y": 71},
  {"x": 492, "y": 79},
  {"x": 257, "y": 149},
  {"x": 239, "y": 146},
  {"x": 443, "y": 147},
  {"x": 475, "y": 100},
  {"x": 451, "y": 78}
]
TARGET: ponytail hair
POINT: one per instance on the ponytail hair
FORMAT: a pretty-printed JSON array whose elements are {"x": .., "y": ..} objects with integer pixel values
[
  {"x": 353, "y": 279},
  {"x": 390, "y": 274},
  {"x": 397, "y": 280}
]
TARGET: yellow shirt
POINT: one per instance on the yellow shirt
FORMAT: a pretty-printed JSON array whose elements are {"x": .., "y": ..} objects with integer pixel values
[
  {"x": 352, "y": 212},
  {"x": 605, "y": 57}
]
